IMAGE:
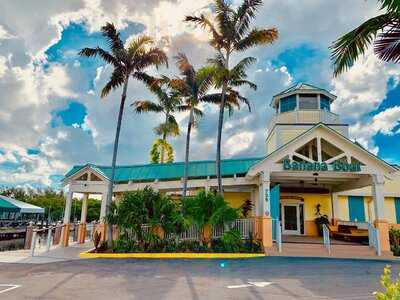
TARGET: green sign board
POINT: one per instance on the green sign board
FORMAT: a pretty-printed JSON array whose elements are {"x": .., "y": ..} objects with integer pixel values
[{"x": 336, "y": 166}]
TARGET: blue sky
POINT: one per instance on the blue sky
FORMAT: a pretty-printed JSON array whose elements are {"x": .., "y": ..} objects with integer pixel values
[{"x": 52, "y": 116}]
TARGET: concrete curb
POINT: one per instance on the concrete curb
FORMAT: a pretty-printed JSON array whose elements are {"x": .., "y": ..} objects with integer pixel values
[{"x": 172, "y": 255}]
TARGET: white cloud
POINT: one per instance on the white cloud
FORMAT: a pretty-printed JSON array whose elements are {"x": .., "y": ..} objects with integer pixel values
[
  {"x": 361, "y": 89},
  {"x": 384, "y": 122}
]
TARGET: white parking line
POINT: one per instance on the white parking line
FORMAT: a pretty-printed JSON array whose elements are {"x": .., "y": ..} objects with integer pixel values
[
  {"x": 249, "y": 284},
  {"x": 9, "y": 287}
]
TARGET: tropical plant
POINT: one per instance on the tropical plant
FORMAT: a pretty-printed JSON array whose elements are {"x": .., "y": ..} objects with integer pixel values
[
  {"x": 382, "y": 31},
  {"x": 207, "y": 209},
  {"x": 230, "y": 33},
  {"x": 246, "y": 208},
  {"x": 144, "y": 207},
  {"x": 392, "y": 288},
  {"x": 130, "y": 61},
  {"x": 167, "y": 103},
  {"x": 161, "y": 152}
]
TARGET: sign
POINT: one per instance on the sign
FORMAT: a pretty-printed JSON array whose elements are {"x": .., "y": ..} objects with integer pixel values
[{"x": 336, "y": 166}]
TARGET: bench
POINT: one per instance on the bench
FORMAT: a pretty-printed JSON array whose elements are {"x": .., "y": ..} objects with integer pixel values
[{"x": 348, "y": 233}]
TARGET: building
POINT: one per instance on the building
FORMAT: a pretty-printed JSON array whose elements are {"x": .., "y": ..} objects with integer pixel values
[
  {"x": 13, "y": 211},
  {"x": 310, "y": 161}
]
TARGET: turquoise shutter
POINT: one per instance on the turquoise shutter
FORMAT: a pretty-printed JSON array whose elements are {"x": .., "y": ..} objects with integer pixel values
[
  {"x": 275, "y": 198},
  {"x": 397, "y": 207},
  {"x": 356, "y": 208}
]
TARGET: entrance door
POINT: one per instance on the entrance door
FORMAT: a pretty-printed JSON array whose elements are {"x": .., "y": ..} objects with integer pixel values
[{"x": 290, "y": 219}]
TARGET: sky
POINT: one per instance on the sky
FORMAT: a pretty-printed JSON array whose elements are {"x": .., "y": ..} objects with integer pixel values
[{"x": 52, "y": 116}]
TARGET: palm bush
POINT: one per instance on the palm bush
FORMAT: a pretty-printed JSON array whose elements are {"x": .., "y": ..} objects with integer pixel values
[
  {"x": 207, "y": 209},
  {"x": 144, "y": 207}
]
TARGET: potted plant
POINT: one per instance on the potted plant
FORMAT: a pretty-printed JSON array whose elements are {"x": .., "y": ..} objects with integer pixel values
[{"x": 320, "y": 219}]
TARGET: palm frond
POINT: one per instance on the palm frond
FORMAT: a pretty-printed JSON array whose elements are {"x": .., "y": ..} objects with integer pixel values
[
  {"x": 110, "y": 33},
  {"x": 244, "y": 14},
  {"x": 180, "y": 86},
  {"x": 167, "y": 128},
  {"x": 224, "y": 17},
  {"x": 153, "y": 57},
  {"x": 257, "y": 37},
  {"x": 183, "y": 107},
  {"x": 205, "y": 23},
  {"x": 214, "y": 98},
  {"x": 239, "y": 70},
  {"x": 391, "y": 5},
  {"x": 234, "y": 98},
  {"x": 347, "y": 49},
  {"x": 387, "y": 45},
  {"x": 117, "y": 79},
  {"x": 144, "y": 106},
  {"x": 205, "y": 79},
  {"x": 105, "y": 55},
  {"x": 137, "y": 45},
  {"x": 241, "y": 82}
]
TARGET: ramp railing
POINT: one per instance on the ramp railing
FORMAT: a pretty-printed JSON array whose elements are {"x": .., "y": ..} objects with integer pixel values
[
  {"x": 373, "y": 238},
  {"x": 327, "y": 239}
]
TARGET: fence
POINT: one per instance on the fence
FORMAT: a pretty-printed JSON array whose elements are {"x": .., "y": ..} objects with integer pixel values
[
  {"x": 43, "y": 237},
  {"x": 246, "y": 228},
  {"x": 373, "y": 238}
]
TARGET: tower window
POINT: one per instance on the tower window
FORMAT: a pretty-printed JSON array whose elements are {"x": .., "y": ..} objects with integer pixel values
[
  {"x": 288, "y": 103},
  {"x": 325, "y": 103},
  {"x": 308, "y": 102}
]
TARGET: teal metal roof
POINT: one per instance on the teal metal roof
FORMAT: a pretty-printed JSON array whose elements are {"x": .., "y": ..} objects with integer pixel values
[
  {"x": 170, "y": 171},
  {"x": 6, "y": 206}
]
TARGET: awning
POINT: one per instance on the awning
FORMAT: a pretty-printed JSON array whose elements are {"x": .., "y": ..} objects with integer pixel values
[
  {"x": 23, "y": 207},
  {"x": 6, "y": 206}
]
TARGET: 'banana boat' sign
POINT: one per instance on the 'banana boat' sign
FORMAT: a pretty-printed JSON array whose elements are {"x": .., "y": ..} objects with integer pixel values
[{"x": 337, "y": 166}]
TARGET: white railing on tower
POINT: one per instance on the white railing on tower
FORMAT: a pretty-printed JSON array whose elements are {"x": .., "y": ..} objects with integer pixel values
[{"x": 277, "y": 228}]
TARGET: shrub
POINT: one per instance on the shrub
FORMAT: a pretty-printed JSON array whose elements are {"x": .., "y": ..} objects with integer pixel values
[
  {"x": 392, "y": 288},
  {"x": 394, "y": 237}
]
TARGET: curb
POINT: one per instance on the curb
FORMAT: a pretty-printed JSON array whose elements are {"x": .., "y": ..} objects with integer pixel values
[{"x": 172, "y": 255}]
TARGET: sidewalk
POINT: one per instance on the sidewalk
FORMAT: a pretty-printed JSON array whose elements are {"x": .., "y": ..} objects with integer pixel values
[{"x": 56, "y": 254}]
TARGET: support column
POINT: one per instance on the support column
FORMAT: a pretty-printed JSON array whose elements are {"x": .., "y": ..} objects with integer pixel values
[
  {"x": 101, "y": 228},
  {"x": 335, "y": 208},
  {"x": 82, "y": 225},
  {"x": 266, "y": 210},
  {"x": 380, "y": 223},
  {"x": 67, "y": 217}
]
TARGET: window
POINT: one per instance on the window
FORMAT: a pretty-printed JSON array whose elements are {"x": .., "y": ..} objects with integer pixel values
[
  {"x": 308, "y": 101},
  {"x": 288, "y": 103},
  {"x": 397, "y": 209},
  {"x": 325, "y": 103},
  {"x": 356, "y": 208},
  {"x": 93, "y": 177},
  {"x": 83, "y": 177}
]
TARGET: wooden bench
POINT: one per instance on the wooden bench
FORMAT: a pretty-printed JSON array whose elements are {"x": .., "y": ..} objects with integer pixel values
[{"x": 348, "y": 233}]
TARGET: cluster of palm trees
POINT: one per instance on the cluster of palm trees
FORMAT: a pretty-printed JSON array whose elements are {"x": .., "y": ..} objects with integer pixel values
[{"x": 231, "y": 32}]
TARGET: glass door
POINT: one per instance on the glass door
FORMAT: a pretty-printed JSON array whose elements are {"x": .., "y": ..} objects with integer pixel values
[{"x": 291, "y": 219}]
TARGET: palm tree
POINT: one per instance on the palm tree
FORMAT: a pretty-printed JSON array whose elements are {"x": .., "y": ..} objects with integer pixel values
[
  {"x": 194, "y": 88},
  {"x": 231, "y": 32},
  {"x": 382, "y": 31},
  {"x": 130, "y": 61},
  {"x": 167, "y": 103}
]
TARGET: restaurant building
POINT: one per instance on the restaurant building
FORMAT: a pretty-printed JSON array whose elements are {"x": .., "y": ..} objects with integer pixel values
[{"x": 310, "y": 168}]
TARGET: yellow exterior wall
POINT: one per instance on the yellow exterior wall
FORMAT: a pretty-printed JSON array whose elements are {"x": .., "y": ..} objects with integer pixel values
[
  {"x": 390, "y": 210},
  {"x": 310, "y": 203},
  {"x": 236, "y": 199},
  {"x": 290, "y": 134}
]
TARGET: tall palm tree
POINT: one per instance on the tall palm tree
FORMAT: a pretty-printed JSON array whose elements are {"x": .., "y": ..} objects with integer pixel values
[
  {"x": 382, "y": 31},
  {"x": 130, "y": 61},
  {"x": 194, "y": 87},
  {"x": 231, "y": 32},
  {"x": 167, "y": 103}
]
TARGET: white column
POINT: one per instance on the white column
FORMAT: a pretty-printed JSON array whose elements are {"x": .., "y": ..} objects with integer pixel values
[
  {"x": 84, "y": 207},
  {"x": 103, "y": 206},
  {"x": 319, "y": 149},
  {"x": 207, "y": 186},
  {"x": 378, "y": 195},
  {"x": 260, "y": 197},
  {"x": 335, "y": 206},
  {"x": 68, "y": 204},
  {"x": 265, "y": 199}
]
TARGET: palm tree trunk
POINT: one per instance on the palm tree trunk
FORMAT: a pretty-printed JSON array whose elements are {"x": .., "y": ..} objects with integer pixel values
[
  {"x": 114, "y": 160},
  {"x": 219, "y": 138},
  {"x": 186, "y": 170},
  {"x": 220, "y": 124},
  {"x": 164, "y": 138}
]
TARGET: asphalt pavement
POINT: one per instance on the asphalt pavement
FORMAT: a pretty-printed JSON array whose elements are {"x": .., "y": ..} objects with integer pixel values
[{"x": 260, "y": 278}]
